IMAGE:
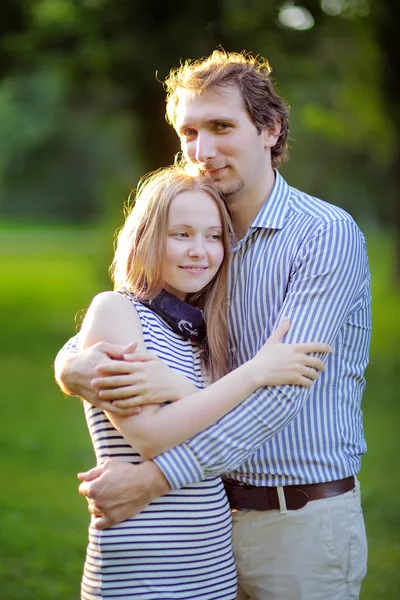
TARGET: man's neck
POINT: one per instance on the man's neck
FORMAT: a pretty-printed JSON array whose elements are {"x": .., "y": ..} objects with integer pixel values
[{"x": 244, "y": 207}]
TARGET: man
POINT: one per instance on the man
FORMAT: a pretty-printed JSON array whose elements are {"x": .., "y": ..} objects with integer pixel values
[{"x": 291, "y": 454}]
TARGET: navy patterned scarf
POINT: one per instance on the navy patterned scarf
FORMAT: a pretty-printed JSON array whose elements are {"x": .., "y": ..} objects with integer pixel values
[{"x": 186, "y": 320}]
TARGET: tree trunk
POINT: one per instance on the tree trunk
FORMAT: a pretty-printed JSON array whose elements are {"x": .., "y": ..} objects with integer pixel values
[{"x": 387, "y": 22}]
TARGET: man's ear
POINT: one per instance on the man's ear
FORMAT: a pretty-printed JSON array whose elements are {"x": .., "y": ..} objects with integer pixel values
[{"x": 271, "y": 134}]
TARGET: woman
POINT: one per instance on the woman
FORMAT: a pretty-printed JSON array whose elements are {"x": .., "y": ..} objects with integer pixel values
[{"x": 170, "y": 269}]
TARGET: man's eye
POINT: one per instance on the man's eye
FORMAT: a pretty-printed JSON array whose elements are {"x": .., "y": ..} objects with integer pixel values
[
  {"x": 222, "y": 126},
  {"x": 188, "y": 134}
]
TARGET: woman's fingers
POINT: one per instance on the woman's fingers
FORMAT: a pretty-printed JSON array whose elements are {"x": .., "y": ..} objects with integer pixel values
[
  {"x": 305, "y": 382},
  {"x": 314, "y": 348},
  {"x": 120, "y": 393},
  {"x": 140, "y": 356},
  {"x": 314, "y": 362},
  {"x": 129, "y": 403},
  {"x": 115, "y": 381},
  {"x": 115, "y": 367},
  {"x": 131, "y": 347},
  {"x": 278, "y": 333},
  {"x": 310, "y": 373}
]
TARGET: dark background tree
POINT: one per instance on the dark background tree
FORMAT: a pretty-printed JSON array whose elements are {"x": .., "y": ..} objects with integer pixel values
[
  {"x": 387, "y": 26},
  {"x": 82, "y": 103}
]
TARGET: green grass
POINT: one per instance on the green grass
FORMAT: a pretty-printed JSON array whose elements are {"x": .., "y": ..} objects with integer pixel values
[
  {"x": 47, "y": 276},
  {"x": 43, "y": 436},
  {"x": 381, "y": 465}
]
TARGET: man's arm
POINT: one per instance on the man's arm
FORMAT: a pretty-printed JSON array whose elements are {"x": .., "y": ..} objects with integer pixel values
[
  {"x": 63, "y": 364},
  {"x": 75, "y": 369},
  {"x": 99, "y": 374},
  {"x": 328, "y": 280},
  {"x": 116, "y": 490},
  {"x": 157, "y": 428}
]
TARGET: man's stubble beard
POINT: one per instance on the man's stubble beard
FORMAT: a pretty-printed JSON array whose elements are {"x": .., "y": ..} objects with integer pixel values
[
  {"x": 235, "y": 189},
  {"x": 228, "y": 195},
  {"x": 237, "y": 186}
]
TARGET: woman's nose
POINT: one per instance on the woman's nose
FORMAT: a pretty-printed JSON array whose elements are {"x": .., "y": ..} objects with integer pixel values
[{"x": 197, "y": 250}]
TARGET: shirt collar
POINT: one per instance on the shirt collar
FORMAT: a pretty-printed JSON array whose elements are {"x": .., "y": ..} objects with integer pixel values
[{"x": 273, "y": 212}]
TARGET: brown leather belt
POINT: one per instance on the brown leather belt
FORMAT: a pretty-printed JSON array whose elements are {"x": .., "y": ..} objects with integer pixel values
[{"x": 244, "y": 496}]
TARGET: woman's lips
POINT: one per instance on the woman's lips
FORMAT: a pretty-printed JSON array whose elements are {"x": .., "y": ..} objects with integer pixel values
[{"x": 194, "y": 270}]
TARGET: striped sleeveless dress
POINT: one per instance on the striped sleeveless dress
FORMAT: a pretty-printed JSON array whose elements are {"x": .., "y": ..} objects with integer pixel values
[{"x": 179, "y": 547}]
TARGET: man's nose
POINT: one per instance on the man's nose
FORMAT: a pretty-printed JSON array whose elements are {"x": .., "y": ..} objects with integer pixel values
[{"x": 205, "y": 148}]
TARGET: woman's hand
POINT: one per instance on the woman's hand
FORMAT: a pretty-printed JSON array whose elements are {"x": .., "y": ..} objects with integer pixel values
[
  {"x": 141, "y": 378},
  {"x": 280, "y": 364}
]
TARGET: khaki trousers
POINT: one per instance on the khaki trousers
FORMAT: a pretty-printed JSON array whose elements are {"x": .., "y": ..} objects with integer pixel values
[{"x": 316, "y": 553}]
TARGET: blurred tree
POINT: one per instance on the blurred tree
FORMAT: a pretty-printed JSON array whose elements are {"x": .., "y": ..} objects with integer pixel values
[
  {"x": 387, "y": 27},
  {"x": 100, "y": 110},
  {"x": 82, "y": 106}
]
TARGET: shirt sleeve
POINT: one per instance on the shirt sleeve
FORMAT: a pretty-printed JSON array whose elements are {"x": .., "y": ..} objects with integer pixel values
[{"x": 329, "y": 281}]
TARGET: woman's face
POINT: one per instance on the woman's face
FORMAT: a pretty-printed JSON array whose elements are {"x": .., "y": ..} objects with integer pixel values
[{"x": 194, "y": 247}]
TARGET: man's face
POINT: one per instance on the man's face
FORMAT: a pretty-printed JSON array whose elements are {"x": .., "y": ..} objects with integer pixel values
[{"x": 217, "y": 135}]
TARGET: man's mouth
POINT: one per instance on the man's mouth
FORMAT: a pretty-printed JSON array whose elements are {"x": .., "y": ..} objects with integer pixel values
[{"x": 215, "y": 172}]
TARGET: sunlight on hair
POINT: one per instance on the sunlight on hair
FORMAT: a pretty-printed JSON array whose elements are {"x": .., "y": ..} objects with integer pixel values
[
  {"x": 296, "y": 17},
  {"x": 192, "y": 169}
]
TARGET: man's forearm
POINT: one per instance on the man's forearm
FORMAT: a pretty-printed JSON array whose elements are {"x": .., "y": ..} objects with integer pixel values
[
  {"x": 119, "y": 490},
  {"x": 64, "y": 366},
  {"x": 75, "y": 369},
  {"x": 321, "y": 299},
  {"x": 64, "y": 373}
]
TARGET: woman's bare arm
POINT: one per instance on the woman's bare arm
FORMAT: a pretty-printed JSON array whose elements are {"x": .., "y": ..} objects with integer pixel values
[{"x": 112, "y": 318}]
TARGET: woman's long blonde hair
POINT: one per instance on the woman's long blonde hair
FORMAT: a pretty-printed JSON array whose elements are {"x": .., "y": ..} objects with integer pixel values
[{"x": 139, "y": 254}]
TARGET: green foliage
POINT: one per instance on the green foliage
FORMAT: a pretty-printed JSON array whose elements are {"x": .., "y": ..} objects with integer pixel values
[
  {"x": 61, "y": 160},
  {"x": 43, "y": 440},
  {"x": 380, "y": 482},
  {"x": 47, "y": 277},
  {"x": 82, "y": 107}
]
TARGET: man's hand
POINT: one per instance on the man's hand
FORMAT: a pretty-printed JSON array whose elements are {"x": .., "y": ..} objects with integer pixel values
[
  {"x": 116, "y": 491},
  {"x": 75, "y": 371},
  {"x": 141, "y": 378}
]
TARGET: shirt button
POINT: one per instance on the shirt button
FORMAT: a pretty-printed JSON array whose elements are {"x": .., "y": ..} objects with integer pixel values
[
  {"x": 228, "y": 303},
  {"x": 233, "y": 349}
]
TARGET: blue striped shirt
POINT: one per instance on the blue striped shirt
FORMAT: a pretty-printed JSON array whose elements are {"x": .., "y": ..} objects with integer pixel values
[{"x": 305, "y": 259}]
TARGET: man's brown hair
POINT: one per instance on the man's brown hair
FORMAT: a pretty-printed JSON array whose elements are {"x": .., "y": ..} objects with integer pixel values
[{"x": 248, "y": 73}]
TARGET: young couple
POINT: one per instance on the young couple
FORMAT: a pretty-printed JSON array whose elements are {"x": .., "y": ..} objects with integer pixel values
[{"x": 209, "y": 299}]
